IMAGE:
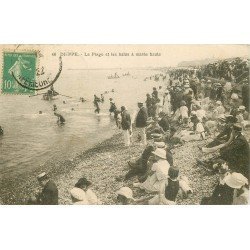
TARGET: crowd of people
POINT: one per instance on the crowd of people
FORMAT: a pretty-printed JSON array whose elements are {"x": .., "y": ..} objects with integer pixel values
[
  {"x": 190, "y": 106},
  {"x": 230, "y": 70}
]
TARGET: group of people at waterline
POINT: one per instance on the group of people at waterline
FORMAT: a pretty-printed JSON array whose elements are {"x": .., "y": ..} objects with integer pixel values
[{"x": 174, "y": 114}]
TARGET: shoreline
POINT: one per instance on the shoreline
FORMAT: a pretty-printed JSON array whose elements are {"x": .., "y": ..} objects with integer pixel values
[{"x": 102, "y": 164}]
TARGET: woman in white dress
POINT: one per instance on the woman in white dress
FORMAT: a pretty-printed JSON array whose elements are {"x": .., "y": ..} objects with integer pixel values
[
  {"x": 90, "y": 196},
  {"x": 159, "y": 173},
  {"x": 166, "y": 108}
]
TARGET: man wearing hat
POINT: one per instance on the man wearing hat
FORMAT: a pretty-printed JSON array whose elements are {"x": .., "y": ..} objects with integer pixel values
[
  {"x": 112, "y": 108},
  {"x": 237, "y": 152},
  {"x": 232, "y": 191},
  {"x": 141, "y": 122},
  {"x": 49, "y": 194},
  {"x": 226, "y": 132},
  {"x": 126, "y": 125}
]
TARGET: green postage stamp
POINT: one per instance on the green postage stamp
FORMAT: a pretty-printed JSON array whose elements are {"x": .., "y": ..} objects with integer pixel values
[{"x": 18, "y": 65}]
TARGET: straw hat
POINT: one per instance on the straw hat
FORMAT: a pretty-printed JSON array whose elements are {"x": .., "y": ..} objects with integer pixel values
[
  {"x": 234, "y": 96},
  {"x": 242, "y": 108},
  {"x": 222, "y": 118},
  {"x": 187, "y": 86},
  {"x": 78, "y": 194},
  {"x": 42, "y": 176},
  {"x": 218, "y": 102},
  {"x": 236, "y": 180},
  {"x": 183, "y": 103},
  {"x": 160, "y": 153},
  {"x": 160, "y": 144},
  {"x": 126, "y": 192}
]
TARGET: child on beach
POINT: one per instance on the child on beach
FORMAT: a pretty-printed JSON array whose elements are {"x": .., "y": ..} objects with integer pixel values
[{"x": 183, "y": 113}]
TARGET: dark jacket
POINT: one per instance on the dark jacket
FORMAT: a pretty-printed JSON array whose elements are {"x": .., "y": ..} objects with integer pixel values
[
  {"x": 164, "y": 123},
  {"x": 126, "y": 120},
  {"x": 49, "y": 195},
  {"x": 171, "y": 190},
  {"x": 141, "y": 118},
  {"x": 222, "y": 195},
  {"x": 237, "y": 155}
]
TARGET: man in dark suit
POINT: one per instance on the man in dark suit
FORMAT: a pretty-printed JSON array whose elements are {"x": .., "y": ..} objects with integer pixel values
[
  {"x": 49, "y": 194},
  {"x": 141, "y": 122},
  {"x": 237, "y": 152},
  {"x": 126, "y": 125}
]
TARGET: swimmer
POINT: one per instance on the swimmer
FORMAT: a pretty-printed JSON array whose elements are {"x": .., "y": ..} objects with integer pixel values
[
  {"x": 102, "y": 98},
  {"x": 54, "y": 107},
  {"x": 96, "y": 104},
  {"x": 60, "y": 118},
  {"x": 40, "y": 112},
  {"x": 1, "y": 131},
  {"x": 64, "y": 102}
]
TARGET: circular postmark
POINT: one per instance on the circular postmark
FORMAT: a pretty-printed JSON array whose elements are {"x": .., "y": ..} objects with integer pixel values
[{"x": 45, "y": 75}]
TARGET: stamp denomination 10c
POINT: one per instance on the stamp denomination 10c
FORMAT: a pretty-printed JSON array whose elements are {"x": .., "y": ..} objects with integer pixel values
[{"x": 20, "y": 65}]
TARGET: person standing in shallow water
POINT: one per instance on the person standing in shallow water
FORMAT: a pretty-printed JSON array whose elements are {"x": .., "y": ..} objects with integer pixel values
[
  {"x": 96, "y": 104},
  {"x": 112, "y": 108},
  {"x": 60, "y": 120},
  {"x": 1, "y": 131}
]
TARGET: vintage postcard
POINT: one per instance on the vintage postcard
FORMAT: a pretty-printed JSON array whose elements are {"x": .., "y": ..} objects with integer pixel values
[{"x": 124, "y": 124}]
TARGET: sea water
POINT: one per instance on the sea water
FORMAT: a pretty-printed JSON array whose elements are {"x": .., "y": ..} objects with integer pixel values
[{"x": 31, "y": 139}]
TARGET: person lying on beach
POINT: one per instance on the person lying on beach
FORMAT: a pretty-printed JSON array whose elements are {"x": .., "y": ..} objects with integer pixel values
[
  {"x": 226, "y": 124},
  {"x": 60, "y": 119},
  {"x": 235, "y": 151}
]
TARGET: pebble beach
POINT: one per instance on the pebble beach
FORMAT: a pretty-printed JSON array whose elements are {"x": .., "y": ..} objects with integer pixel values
[{"x": 105, "y": 166}]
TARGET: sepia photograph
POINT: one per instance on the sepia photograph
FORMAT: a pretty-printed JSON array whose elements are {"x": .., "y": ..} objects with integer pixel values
[{"x": 124, "y": 124}]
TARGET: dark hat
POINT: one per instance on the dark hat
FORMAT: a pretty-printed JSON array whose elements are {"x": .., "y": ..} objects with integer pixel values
[
  {"x": 237, "y": 127},
  {"x": 82, "y": 182},
  {"x": 230, "y": 118}
]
